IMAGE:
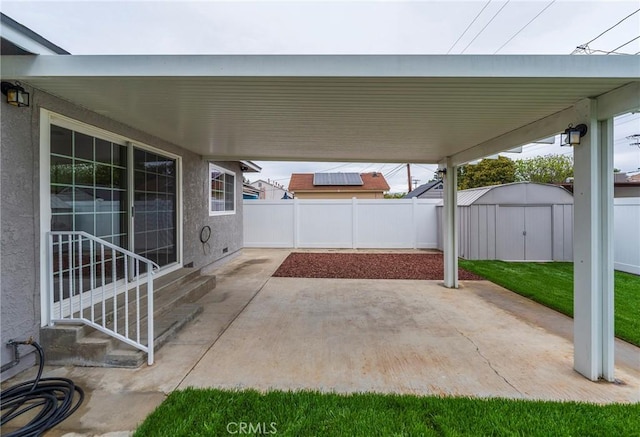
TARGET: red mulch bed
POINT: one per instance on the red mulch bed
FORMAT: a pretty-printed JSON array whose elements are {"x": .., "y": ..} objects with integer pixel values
[{"x": 367, "y": 266}]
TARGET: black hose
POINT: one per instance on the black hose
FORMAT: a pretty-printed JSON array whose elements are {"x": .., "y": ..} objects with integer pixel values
[{"x": 54, "y": 397}]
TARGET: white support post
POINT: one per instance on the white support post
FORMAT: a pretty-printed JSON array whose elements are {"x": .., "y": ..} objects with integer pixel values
[
  {"x": 593, "y": 251},
  {"x": 450, "y": 228},
  {"x": 606, "y": 249}
]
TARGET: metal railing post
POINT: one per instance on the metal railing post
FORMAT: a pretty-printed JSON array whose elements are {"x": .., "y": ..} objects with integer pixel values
[
  {"x": 50, "y": 276},
  {"x": 150, "y": 314}
]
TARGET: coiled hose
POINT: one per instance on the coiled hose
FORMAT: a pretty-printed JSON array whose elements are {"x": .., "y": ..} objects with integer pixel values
[{"x": 54, "y": 397}]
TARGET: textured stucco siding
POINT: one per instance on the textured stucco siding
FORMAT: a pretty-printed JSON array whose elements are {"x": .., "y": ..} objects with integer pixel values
[
  {"x": 20, "y": 215},
  {"x": 19, "y": 224},
  {"x": 226, "y": 230}
]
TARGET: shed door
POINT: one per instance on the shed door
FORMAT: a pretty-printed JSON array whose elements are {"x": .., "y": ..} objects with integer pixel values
[
  {"x": 524, "y": 233},
  {"x": 537, "y": 225},
  {"x": 510, "y": 233}
]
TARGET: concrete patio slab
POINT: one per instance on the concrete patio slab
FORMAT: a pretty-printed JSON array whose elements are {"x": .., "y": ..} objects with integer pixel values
[
  {"x": 396, "y": 337},
  {"x": 349, "y": 335}
]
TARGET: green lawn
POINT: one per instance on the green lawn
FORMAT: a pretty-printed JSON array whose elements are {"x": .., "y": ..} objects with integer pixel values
[
  {"x": 218, "y": 412},
  {"x": 551, "y": 284}
]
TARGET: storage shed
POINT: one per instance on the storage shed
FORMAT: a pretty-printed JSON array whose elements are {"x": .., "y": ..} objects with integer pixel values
[{"x": 522, "y": 221}]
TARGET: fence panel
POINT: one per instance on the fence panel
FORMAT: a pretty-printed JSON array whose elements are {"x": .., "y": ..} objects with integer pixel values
[
  {"x": 268, "y": 223},
  {"x": 381, "y": 225},
  {"x": 626, "y": 234},
  {"x": 325, "y": 223},
  {"x": 355, "y": 223}
]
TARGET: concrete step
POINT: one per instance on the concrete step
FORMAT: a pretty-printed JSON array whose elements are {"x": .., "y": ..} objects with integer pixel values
[
  {"x": 165, "y": 300},
  {"x": 166, "y": 326},
  {"x": 80, "y": 345}
]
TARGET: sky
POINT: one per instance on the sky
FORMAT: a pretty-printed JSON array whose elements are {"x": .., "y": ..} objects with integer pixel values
[{"x": 347, "y": 27}]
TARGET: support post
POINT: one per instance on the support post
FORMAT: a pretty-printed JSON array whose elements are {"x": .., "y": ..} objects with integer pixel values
[
  {"x": 593, "y": 246},
  {"x": 450, "y": 228}
]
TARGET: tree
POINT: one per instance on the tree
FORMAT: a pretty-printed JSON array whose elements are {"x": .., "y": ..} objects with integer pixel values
[
  {"x": 548, "y": 169},
  {"x": 394, "y": 195},
  {"x": 486, "y": 172}
]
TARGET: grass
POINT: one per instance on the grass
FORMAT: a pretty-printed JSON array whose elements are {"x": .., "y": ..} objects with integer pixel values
[
  {"x": 211, "y": 412},
  {"x": 551, "y": 284}
]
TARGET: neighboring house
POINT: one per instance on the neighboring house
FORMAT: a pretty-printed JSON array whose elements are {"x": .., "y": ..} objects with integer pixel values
[
  {"x": 249, "y": 192},
  {"x": 623, "y": 186},
  {"x": 271, "y": 190},
  {"x": 430, "y": 190},
  {"x": 66, "y": 168},
  {"x": 338, "y": 185}
]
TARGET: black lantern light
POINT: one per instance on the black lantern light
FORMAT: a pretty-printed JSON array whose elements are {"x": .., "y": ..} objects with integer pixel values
[
  {"x": 572, "y": 135},
  {"x": 16, "y": 95},
  {"x": 441, "y": 172}
]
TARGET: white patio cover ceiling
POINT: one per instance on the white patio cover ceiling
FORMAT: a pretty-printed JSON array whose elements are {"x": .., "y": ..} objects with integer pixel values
[{"x": 342, "y": 108}]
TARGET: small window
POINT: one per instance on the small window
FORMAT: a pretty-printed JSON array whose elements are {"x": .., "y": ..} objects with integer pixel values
[{"x": 222, "y": 191}]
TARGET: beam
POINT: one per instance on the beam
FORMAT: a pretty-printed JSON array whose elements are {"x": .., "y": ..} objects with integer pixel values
[
  {"x": 409, "y": 66},
  {"x": 593, "y": 254},
  {"x": 619, "y": 101},
  {"x": 543, "y": 128},
  {"x": 450, "y": 225}
]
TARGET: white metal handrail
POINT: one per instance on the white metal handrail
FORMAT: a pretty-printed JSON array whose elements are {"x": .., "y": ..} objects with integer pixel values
[{"x": 90, "y": 278}]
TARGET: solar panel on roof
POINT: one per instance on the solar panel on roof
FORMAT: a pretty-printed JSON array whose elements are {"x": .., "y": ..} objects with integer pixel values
[{"x": 337, "y": 179}]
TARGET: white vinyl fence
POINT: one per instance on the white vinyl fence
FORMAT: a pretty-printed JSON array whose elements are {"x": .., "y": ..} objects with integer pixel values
[
  {"x": 355, "y": 223},
  {"x": 390, "y": 223},
  {"x": 626, "y": 233}
]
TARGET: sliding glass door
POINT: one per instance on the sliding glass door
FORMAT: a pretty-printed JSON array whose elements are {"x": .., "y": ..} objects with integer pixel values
[
  {"x": 154, "y": 195},
  {"x": 90, "y": 191}
]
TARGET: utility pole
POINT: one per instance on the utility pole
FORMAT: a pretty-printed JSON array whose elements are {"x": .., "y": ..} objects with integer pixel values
[
  {"x": 415, "y": 182},
  {"x": 409, "y": 176}
]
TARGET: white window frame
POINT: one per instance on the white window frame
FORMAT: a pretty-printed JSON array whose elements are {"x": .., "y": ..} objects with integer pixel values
[{"x": 213, "y": 167}]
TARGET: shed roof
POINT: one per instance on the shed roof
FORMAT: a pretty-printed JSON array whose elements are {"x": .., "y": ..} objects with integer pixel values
[
  {"x": 515, "y": 193},
  {"x": 468, "y": 197}
]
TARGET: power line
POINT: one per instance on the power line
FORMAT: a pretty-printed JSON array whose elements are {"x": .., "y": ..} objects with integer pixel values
[
  {"x": 628, "y": 42},
  {"x": 426, "y": 168},
  {"x": 584, "y": 48},
  {"x": 590, "y": 51},
  {"x": 525, "y": 26},
  {"x": 612, "y": 27},
  {"x": 469, "y": 26},
  {"x": 395, "y": 171},
  {"x": 338, "y": 166},
  {"x": 485, "y": 26}
]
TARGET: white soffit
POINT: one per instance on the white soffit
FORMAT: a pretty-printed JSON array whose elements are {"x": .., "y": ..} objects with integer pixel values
[{"x": 345, "y": 108}]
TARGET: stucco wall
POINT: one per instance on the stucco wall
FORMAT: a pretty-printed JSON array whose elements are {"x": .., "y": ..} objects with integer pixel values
[
  {"x": 226, "y": 230},
  {"x": 20, "y": 216},
  {"x": 19, "y": 224}
]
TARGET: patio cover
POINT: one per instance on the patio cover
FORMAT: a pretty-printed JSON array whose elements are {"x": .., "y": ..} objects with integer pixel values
[
  {"x": 419, "y": 109},
  {"x": 383, "y": 108}
]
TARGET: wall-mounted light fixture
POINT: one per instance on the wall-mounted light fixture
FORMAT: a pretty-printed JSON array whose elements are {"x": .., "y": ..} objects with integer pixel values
[
  {"x": 16, "y": 95},
  {"x": 572, "y": 135},
  {"x": 441, "y": 172}
]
